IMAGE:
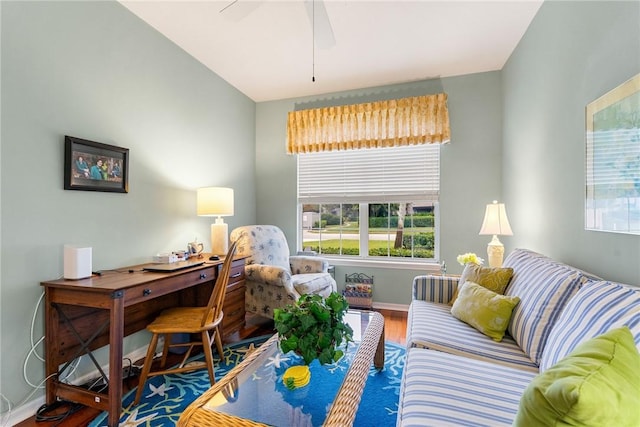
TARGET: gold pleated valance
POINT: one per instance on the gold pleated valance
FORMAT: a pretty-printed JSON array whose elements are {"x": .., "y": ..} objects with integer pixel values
[{"x": 397, "y": 122}]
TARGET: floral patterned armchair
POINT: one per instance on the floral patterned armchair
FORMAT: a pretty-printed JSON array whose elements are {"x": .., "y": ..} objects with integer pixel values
[{"x": 273, "y": 277}]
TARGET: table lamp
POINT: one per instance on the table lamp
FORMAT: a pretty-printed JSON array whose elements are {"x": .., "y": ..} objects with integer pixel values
[
  {"x": 495, "y": 223},
  {"x": 218, "y": 202}
]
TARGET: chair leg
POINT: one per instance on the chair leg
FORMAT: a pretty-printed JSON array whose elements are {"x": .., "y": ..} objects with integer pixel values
[
  {"x": 165, "y": 350},
  {"x": 218, "y": 339},
  {"x": 208, "y": 356},
  {"x": 148, "y": 361}
]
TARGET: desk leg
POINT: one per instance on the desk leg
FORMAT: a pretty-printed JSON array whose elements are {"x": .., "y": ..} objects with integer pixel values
[
  {"x": 50, "y": 348},
  {"x": 116, "y": 335}
]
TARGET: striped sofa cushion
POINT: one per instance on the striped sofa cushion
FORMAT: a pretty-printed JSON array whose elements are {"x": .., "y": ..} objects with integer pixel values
[
  {"x": 544, "y": 287},
  {"x": 438, "y": 289},
  {"x": 594, "y": 310},
  {"x": 432, "y": 326},
  {"x": 441, "y": 389}
]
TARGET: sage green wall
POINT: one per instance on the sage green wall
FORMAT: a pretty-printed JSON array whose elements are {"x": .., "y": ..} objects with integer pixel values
[
  {"x": 470, "y": 169},
  {"x": 95, "y": 71},
  {"x": 572, "y": 53}
]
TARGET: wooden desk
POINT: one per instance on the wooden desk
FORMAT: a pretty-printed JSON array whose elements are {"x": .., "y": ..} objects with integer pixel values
[{"x": 83, "y": 315}]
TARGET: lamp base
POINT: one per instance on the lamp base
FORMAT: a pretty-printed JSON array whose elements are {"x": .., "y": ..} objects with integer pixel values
[
  {"x": 495, "y": 252},
  {"x": 219, "y": 237}
]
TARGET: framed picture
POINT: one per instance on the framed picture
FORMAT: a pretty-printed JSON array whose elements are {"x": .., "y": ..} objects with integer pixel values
[
  {"x": 613, "y": 160},
  {"x": 93, "y": 166}
]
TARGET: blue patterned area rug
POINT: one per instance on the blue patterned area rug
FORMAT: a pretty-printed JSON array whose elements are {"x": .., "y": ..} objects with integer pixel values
[{"x": 166, "y": 396}]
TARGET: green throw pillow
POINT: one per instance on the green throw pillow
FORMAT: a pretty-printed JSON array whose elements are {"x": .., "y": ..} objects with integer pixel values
[
  {"x": 495, "y": 279},
  {"x": 597, "y": 384},
  {"x": 484, "y": 309}
]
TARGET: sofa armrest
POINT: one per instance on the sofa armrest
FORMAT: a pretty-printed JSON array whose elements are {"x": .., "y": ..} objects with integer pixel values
[
  {"x": 301, "y": 264},
  {"x": 268, "y": 274},
  {"x": 432, "y": 288}
]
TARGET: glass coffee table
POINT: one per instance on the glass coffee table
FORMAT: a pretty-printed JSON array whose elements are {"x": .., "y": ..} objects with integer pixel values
[{"x": 253, "y": 394}]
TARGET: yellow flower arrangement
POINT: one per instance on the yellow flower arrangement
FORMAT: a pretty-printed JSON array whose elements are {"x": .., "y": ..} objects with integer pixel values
[{"x": 469, "y": 257}]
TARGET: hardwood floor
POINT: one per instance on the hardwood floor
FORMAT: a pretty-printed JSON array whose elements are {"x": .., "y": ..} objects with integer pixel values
[{"x": 395, "y": 331}]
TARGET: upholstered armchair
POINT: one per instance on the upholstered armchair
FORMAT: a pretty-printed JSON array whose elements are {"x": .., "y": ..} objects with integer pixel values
[{"x": 273, "y": 277}]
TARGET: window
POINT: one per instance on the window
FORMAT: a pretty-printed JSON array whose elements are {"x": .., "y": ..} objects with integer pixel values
[{"x": 370, "y": 203}]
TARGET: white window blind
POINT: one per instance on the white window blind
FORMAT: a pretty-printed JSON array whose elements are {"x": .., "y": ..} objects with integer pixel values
[
  {"x": 613, "y": 163},
  {"x": 396, "y": 174}
]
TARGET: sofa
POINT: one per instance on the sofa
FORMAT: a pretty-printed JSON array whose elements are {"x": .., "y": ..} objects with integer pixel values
[
  {"x": 273, "y": 277},
  {"x": 568, "y": 354}
]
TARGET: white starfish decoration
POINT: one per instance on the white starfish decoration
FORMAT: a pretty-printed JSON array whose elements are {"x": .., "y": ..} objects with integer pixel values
[
  {"x": 246, "y": 351},
  {"x": 276, "y": 360},
  {"x": 392, "y": 411},
  {"x": 236, "y": 355},
  {"x": 250, "y": 349},
  {"x": 158, "y": 390},
  {"x": 132, "y": 420}
]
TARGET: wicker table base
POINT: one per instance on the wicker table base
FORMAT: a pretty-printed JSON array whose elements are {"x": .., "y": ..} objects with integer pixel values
[{"x": 345, "y": 405}]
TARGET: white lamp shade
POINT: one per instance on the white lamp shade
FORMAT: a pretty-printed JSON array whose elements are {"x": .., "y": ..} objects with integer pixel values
[
  {"x": 495, "y": 221},
  {"x": 215, "y": 201}
]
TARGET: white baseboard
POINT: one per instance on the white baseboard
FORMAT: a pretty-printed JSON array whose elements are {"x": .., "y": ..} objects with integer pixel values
[
  {"x": 391, "y": 306},
  {"x": 22, "y": 412},
  {"x": 30, "y": 408}
]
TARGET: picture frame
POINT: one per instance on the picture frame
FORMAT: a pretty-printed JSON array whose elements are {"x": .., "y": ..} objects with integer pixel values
[
  {"x": 94, "y": 166},
  {"x": 612, "y": 170}
]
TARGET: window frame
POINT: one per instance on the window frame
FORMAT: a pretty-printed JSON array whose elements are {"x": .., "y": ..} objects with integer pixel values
[
  {"x": 411, "y": 175},
  {"x": 366, "y": 260}
]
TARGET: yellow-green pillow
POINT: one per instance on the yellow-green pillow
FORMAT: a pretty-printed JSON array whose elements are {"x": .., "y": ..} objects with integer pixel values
[
  {"x": 495, "y": 279},
  {"x": 484, "y": 309},
  {"x": 597, "y": 384}
]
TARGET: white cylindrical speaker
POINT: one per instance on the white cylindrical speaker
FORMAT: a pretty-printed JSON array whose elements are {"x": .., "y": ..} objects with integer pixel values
[{"x": 77, "y": 262}]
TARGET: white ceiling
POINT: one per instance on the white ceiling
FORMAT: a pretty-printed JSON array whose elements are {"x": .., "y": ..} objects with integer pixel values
[{"x": 265, "y": 48}]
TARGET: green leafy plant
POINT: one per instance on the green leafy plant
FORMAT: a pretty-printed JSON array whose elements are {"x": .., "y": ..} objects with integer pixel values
[
  {"x": 313, "y": 327},
  {"x": 289, "y": 383}
]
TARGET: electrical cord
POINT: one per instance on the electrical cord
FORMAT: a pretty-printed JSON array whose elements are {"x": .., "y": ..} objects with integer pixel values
[
  {"x": 7, "y": 414},
  {"x": 42, "y": 410},
  {"x": 33, "y": 353},
  {"x": 130, "y": 370},
  {"x": 33, "y": 321}
]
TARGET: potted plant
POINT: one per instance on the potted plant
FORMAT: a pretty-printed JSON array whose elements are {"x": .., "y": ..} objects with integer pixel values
[
  {"x": 313, "y": 327},
  {"x": 469, "y": 257}
]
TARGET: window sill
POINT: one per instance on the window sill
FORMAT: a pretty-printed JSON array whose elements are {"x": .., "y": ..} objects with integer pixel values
[{"x": 427, "y": 267}]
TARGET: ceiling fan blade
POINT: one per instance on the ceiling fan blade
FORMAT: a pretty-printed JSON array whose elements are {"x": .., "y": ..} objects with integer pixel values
[
  {"x": 236, "y": 10},
  {"x": 317, "y": 12}
]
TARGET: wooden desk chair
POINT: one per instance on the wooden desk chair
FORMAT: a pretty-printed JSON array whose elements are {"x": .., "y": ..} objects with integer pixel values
[{"x": 204, "y": 321}]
